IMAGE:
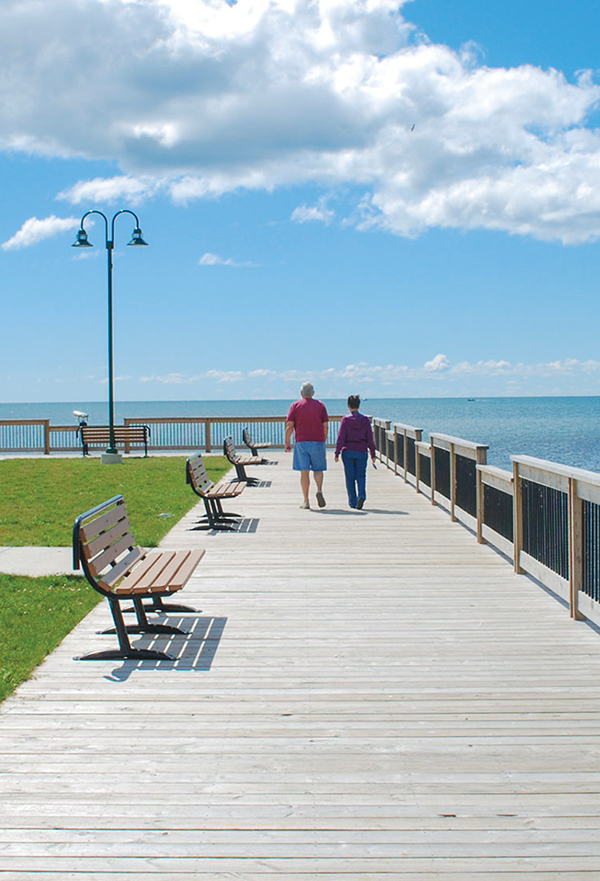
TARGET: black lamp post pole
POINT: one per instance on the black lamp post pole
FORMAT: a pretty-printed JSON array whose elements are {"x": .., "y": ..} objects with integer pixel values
[
  {"x": 82, "y": 241},
  {"x": 112, "y": 447}
]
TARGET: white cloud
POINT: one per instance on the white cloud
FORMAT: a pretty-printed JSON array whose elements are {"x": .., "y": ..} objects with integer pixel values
[
  {"x": 112, "y": 188},
  {"x": 462, "y": 377},
  {"x": 198, "y": 99},
  {"x": 209, "y": 259},
  {"x": 437, "y": 364},
  {"x": 35, "y": 230},
  {"x": 309, "y": 213}
]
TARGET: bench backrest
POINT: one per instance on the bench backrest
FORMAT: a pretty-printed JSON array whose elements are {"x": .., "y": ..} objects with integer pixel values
[
  {"x": 99, "y": 433},
  {"x": 196, "y": 475},
  {"x": 247, "y": 439},
  {"x": 230, "y": 451},
  {"x": 104, "y": 545}
]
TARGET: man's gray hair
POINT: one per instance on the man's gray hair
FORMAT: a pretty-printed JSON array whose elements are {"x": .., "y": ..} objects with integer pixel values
[{"x": 307, "y": 390}]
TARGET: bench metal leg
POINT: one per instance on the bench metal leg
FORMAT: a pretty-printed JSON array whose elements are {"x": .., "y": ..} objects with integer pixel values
[
  {"x": 159, "y": 606},
  {"x": 143, "y": 625},
  {"x": 215, "y": 517},
  {"x": 125, "y": 652}
]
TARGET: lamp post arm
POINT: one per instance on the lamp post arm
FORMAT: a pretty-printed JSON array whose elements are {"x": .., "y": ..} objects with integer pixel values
[
  {"x": 94, "y": 211},
  {"x": 122, "y": 211}
]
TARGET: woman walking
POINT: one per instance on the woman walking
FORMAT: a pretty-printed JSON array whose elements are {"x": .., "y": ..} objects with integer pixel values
[{"x": 355, "y": 437}]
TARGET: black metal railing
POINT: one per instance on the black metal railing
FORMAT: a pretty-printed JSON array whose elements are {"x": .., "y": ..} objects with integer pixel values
[
  {"x": 498, "y": 511},
  {"x": 442, "y": 471},
  {"x": 424, "y": 469},
  {"x": 590, "y": 575},
  {"x": 466, "y": 484},
  {"x": 546, "y": 526},
  {"x": 411, "y": 457}
]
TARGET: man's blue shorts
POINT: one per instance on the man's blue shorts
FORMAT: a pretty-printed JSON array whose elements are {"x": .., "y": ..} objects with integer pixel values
[{"x": 309, "y": 456}]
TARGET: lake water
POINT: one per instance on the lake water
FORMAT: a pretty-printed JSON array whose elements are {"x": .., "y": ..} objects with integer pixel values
[{"x": 565, "y": 430}]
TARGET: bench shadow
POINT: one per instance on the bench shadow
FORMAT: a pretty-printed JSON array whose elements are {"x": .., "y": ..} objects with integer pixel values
[
  {"x": 246, "y": 524},
  {"x": 192, "y": 652}
]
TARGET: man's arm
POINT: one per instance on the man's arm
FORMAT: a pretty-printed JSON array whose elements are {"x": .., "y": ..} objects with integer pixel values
[
  {"x": 289, "y": 428},
  {"x": 325, "y": 430}
]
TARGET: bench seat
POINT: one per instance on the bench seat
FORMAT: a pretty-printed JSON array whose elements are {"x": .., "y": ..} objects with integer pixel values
[
  {"x": 212, "y": 494},
  {"x": 119, "y": 569}
]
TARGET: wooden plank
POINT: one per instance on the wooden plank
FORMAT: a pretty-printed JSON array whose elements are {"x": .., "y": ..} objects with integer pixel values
[
  {"x": 101, "y": 522},
  {"x": 366, "y": 694}
]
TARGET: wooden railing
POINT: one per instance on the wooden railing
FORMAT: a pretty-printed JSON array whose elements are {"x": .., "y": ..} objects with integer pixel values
[
  {"x": 544, "y": 516},
  {"x": 178, "y": 433}
]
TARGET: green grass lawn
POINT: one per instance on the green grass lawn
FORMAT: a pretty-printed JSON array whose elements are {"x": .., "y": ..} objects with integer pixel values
[
  {"x": 35, "y": 616},
  {"x": 40, "y": 498}
]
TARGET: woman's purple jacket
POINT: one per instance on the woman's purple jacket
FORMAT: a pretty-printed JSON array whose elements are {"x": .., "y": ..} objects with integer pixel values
[{"x": 355, "y": 434}]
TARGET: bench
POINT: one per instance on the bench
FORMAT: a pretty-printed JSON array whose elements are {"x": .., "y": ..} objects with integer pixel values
[
  {"x": 212, "y": 493},
  {"x": 253, "y": 446},
  {"x": 125, "y": 435},
  {"x": 240, "y": 462},
  {"x": 115, "y": 566}
]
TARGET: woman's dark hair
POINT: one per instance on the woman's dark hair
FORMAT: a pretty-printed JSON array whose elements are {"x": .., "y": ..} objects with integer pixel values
[{"x": 354, "y": 402}]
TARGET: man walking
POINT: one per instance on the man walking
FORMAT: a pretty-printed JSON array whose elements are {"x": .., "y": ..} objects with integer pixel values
[{"x": 309, "y": 421}]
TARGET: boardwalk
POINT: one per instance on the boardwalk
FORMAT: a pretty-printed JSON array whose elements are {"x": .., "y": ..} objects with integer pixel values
[{"x": 366, "y": 695}]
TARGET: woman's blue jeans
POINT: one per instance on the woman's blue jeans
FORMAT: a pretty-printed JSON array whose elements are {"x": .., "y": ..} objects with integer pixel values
[{"x": 355, "y": 468}]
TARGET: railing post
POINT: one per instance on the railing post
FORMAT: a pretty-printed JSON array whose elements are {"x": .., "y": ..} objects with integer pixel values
[
  {"x": 517, "y": 517},
  {"x": 207, "y": 435},
  {"x": 46, "y": 437},
  {"x": 575, "y": 548},
  {"x": 395, "y": 450},
  {"x": 386, "y": 427},
  {"x": 432, "y": 470},
  {"x": 452, "y": 483},
  {"x": 417, "y": 467},
  {"x": 480, "y": 497}
]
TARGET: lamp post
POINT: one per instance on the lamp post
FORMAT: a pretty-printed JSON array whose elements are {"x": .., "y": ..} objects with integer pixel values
[{"x": 111, "y": 455}]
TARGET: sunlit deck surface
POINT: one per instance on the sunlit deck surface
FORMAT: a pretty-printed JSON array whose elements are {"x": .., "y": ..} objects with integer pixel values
[{"x": 365, "y": 695}]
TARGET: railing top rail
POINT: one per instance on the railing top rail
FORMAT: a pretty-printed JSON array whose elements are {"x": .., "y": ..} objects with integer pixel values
[
  {"x": 214, "y": 419},
  {"x": 501, "y": 473},
  {"x": 458, "y": 441},
  {"x": 409, "y": 429},
  {"x": 423, "y": 447},
  {"x": 24, "y": 421},
  {"x": 592, "y": 477}
]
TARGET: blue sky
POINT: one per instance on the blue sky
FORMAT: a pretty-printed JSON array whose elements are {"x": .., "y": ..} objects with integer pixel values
[{"x": 389, "y": 199}]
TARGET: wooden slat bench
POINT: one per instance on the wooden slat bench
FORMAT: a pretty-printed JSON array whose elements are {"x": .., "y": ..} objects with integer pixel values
[
  {"x": 253, "y": 446},
  {"x": 212, "y": 494},
  {"x": 125, "y": 436},
  {"x": 240, "y": 462},
  {"x": 115, "y": 566}
]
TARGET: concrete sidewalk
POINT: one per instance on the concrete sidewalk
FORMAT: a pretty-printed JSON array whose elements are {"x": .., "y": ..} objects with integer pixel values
[{"x": 36, "y": 561}]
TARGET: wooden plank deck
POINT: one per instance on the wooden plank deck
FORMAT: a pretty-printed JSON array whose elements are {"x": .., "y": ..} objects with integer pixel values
[{"x": 365, "y": 695}]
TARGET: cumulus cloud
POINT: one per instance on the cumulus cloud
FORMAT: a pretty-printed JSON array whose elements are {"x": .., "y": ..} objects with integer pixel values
[
  {"x": 198, "y": 99},
  {"x": 402, "y": 377},
  {"x": 35, "y": 230},
  {"x": 437, "y": 364},
  {"x": 209, "y": 259},
  {"x": 310, "y": 213}
]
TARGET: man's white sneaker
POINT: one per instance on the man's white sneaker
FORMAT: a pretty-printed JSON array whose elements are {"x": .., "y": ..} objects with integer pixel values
[{"x": 305, "y": 505}]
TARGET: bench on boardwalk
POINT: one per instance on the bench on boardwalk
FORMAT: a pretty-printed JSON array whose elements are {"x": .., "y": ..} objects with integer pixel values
[
  {"x": 253, "y": 446},
  {"x": 240, "y": 462},
  {"x": 212, "y": 494},
  {"x": 115, "y": 566},
  {"x": 125, "y": 436}
]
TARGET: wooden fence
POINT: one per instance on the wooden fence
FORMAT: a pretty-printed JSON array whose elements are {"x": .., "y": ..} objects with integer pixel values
[
  {"x": 544, "y": 516},
  {"x": 178, "y": 433}
]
